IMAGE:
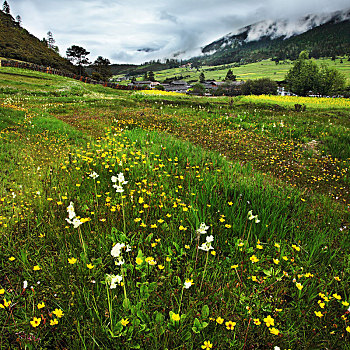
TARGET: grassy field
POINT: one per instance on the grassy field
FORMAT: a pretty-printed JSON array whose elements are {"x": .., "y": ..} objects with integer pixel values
[
  {"x": 263, "y": 69},
  {"x": 132, "y": 220}
]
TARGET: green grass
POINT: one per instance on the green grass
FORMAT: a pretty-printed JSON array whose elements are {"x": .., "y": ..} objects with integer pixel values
[
  {"x": 187, "y": 161},
  {"x": 263, "y": 69}
]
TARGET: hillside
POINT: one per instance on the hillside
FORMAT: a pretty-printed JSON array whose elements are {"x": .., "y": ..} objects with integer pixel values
[
  {"x": 270, "y": 40},
  {"x": 17, "y": 43}
]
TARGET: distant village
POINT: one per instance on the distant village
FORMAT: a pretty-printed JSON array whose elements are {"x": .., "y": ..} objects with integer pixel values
[
  {"x": 180, "y": 86},
  {"x": 203, "y": 87}
]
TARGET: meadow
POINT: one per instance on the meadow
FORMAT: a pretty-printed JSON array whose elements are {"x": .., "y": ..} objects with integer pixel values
[
  {"x": 262, "y": 69},
  {"x": 132, "y": 220}
]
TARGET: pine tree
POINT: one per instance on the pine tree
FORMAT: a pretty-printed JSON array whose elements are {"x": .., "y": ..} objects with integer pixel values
[
  {"x": 151, "y": 76},
  {"x": 230, "y": 76},
  {"x": 50, "y": 40},
  {"x": 6, "y": 7},
  {"x": 202, "y": 77},
  {"x": 77, "y": 54},
  {"x": 19, "y": 20},
  {"x": 102, "y": 67}
]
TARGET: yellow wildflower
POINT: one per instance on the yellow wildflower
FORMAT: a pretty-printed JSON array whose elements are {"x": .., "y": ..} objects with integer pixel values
[{"x": 36, "y": 321}]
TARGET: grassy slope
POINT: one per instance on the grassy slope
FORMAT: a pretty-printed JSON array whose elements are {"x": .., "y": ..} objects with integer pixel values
[
  {"x": 263, "y": 69},
  {"x": 53, "y": 137}
]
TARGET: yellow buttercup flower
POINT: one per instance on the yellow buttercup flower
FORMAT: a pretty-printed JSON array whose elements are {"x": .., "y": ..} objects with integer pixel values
[
  {"x": 35, "y": 322},
  {"x": 72, "y": 260},
  {"x": 58, "y": 312},
  {"x": 124, "y": 322},
  {"x": 257, "y": 321},
  {"x": 274, "y": 331},
  {"x": 175, "y": 317},
  {"x": 230, "y": 325},
  {"x": 53, "y": 322},
  {"x": 207, "y": 345},
  {"x": 220, "y": 320},
  {"x": 41, "y": 305},
  {"x": 269, "y": 321},
  {"x": 254, "y": 259},
  {"x": 299, "y": 286},
  {"x": 336, "y": 296}
]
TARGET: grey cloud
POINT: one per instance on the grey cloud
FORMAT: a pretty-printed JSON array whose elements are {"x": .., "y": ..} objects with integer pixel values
[
  {"x": 164, "y": 15},
  {"x": 117, "y": 29}
]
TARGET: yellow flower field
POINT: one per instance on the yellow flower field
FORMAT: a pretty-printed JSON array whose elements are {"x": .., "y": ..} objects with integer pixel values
[{"x": 313, "y": 102}]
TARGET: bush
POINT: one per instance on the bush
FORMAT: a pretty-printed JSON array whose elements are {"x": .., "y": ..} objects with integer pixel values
[
  {"x": 264, "y": 86},
  {"x": 198, "y": 89}
]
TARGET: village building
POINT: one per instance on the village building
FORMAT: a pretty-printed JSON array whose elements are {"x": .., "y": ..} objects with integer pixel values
[
  {"x": 146, "y": 84},
  {"x": 180, "y": 86}
]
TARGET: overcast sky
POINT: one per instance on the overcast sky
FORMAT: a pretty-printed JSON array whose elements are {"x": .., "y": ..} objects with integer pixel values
[{"x": 118, "y": 29}]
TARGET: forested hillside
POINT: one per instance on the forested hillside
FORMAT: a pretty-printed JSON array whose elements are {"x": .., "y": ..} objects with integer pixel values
[{"x": 327, "y": 40}]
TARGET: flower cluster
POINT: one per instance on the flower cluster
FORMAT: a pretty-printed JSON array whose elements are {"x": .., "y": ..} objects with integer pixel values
[
  {"x": 253, "y": 217},
  {"x": 206, "y": 246},
  {"x": 72, "y": 218},
  {"x": 118, "y": 182},
  {"x": 114, "y": 280}
]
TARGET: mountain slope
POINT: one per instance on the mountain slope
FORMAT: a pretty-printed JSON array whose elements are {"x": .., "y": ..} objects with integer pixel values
[
  {"x": 17, "y": 43},
  {"x": 322, "y": 35}
]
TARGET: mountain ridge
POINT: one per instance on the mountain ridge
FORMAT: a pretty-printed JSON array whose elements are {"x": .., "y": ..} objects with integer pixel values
[
  {"x": 282, "y": 28},
  {"x": 282, "y": 39}
]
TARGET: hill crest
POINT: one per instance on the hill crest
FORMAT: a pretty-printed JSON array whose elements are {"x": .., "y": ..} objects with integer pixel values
[{"x": 17, "y": 43}]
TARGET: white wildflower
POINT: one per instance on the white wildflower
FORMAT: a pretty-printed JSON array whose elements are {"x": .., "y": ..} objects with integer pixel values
[
  {"x": 188, "y": 283},
  {"x": 116, "y": 250},
  {"x": 210, "y": 239},
  {"x": 120, "y": 262},
  {"x": 113, "y": 280},
  {"x": 71, "y": 212},
  {"x": 121, "y": 179},
  {"x": 202, "y": 228},
  {"x": 206, "y": 246},
  {"x": 94, "y": 175},
  {"x": 118, "y": 188},
  {"x": 76, "y": 222}
]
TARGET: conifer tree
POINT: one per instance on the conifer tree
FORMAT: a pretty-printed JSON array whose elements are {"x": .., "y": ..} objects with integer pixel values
[
  {"x": 6, "y": 7},
  {"x": 50, "y": 40},
  {"x": 77, "y": 54},
  {"x": 230, "y": 76},
  {"x": 151, "y": 76},
  {"x": 19, "y": 20}
]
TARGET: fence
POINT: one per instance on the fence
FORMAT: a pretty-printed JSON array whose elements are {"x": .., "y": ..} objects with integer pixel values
[{"x": 49, "y": 70}]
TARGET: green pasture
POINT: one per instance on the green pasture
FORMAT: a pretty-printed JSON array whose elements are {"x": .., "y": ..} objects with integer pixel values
[
  {"x": 134, "y": 221},
  {"x": 263, "y": 69}
]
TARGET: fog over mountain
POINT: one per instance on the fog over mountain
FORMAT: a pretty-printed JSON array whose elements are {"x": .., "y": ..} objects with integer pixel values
[
  {"x": 285, "y": 28},
  {"x": 135, "y": 31}
]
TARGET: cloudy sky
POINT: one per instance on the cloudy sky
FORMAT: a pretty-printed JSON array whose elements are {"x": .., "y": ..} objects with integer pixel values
[{"x": 119, "y": 29}]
